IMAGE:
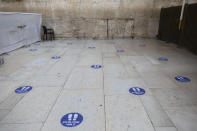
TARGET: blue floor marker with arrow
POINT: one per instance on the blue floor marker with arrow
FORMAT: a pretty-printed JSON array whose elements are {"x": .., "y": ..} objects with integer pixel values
[
  {"x": 71, "y": 119},
  {"x": 137, "y": 91}
]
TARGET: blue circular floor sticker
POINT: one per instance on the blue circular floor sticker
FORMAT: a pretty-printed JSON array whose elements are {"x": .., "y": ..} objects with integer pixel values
[
  {"x": 163, "y": 59},
  {"x": 32, "y": 50},
  {"x": 96, "y": 66},
  {"x": 182, "y": 79},
  {"x": 91, "y": 47},
  {"x": 137, "y": 91},
  {"x": 23, "y": 89},
  {"x": 142, "y": 45},
  {"x": 37, "y": 44},
  {"x": 55, "y": 57},
  {"x": 71, "y": 119},
  {"x": 120, "y": 51},
  {"x": 69, "y": 43}
]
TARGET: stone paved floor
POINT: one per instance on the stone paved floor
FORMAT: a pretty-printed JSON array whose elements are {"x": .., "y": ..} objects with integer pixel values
[{"x": 101, "y": 96}]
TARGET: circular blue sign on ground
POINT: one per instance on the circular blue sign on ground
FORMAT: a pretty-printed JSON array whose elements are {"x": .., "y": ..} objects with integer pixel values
[
  {"x": 23, "y": 89},
  {"x": 163, "y": 59},
  {"x": 142, "y": 45},
  {"x": 32, "y": 49},
  {"x": 182, "y": 79},
  {"x": 137, "y": 91},
  {"x": 55, "y": 57},
  {"x": 96, "y": 66},
  {"x": 71, "y": 119},
  {"x": 91, "y": 47},
  {"x": 37, "y": 44},
  {"x": 69, "y": 43},
  {"x": 120, "y": 51}
]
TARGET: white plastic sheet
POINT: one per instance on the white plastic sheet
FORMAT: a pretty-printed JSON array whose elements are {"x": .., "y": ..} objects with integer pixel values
[{"x": 19, "y": 29}]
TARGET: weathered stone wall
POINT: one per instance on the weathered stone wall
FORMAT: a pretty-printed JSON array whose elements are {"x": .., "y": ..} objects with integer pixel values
[
  {"x": 88, "y": 18},
  {"x": 120, "y": 28}
]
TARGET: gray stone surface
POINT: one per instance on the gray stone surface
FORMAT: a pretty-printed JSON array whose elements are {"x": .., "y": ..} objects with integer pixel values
[
  {"x": 101, "y": 95},
  {"x": 88, "y": 19}
]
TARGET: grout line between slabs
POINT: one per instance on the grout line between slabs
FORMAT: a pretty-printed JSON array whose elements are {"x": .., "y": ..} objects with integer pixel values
[
  {"x": 147, "y": 113},
  {"x": 104, "y": 92}
]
